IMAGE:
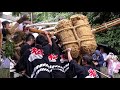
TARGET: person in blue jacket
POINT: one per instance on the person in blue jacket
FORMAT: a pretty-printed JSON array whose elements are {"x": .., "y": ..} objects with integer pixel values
[
  {"x": 98, "y": 60},
  {"x": 97, "y": 56}
]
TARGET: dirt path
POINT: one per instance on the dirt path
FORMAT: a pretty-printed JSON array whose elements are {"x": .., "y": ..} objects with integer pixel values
[{"x": 104, "y": 70}]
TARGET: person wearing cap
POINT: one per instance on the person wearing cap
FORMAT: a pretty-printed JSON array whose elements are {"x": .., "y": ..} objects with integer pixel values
[
  {"x": 98, "y": 60},
  {"x": 97, "y": 56},
  {"x": 5, "y": 30},
  {"x": 85, "y": 71},
  {"x": 34, "y": 61}
]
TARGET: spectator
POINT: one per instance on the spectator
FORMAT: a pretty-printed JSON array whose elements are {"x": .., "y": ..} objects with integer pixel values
[
  {"x": 5, "y": 30},
  {"x": 98, "y": 60},
  {"x": 104, "y": 55},
  {"x": 103, "y": 52},
  {"x": 113, "y": 64},
  {"x": 98, "y": 56}
]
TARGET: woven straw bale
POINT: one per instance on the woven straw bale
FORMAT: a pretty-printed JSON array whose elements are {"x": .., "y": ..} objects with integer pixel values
[
  {"x": 87, "y": 41},
  {"x": 67, "y": 35}
]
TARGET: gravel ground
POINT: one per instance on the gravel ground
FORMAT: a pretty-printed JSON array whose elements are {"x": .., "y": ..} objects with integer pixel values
[{"x": 4, "y": 73}]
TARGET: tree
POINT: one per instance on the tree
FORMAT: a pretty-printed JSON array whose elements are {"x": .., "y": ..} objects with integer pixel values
[{"x": 16, "y": 13}]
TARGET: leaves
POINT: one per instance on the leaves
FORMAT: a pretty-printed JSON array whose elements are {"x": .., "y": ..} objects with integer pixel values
[{"x": 9, "y": 48}]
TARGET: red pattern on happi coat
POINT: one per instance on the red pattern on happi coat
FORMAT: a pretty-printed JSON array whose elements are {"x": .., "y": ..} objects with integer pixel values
[
  {"x": 37, "y": 51},
  {"x": 92, "y": 73},
  {"x": 52, "y": 56}
]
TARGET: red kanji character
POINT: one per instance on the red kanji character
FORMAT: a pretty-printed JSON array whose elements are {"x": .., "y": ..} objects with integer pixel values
[
  {"x": 40, "y": 52},
  {"x": 37, "y": 51},
  {"x": 92, "y": 73},
  {"x": 34, "y": 50},
  {"x": 55, "y": 56},
  {"x": 52, "y": 56}
]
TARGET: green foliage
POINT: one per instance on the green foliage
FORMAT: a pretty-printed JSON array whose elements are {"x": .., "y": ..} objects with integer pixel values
[
  {"x": 9, "y": 48},
  {"x": 51, "y": 16},
  {"x": 110, "y": 36}
]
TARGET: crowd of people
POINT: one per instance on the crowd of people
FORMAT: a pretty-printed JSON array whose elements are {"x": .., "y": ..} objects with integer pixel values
[{"x": 42, "y": 57}]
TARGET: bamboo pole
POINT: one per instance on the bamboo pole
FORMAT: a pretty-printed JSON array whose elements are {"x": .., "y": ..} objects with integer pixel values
[
  {"x": 106, "y": 25},
  {"x": 39, "y": 31},
  {"x": 102, "y": 73},
  {"x": 42, "y": 24}
]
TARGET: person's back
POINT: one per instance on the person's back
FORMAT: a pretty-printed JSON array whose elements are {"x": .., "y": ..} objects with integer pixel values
[
  {"x": 29, "y": 41},
  {"x": 34, "y": 61},
  {"x": 54, "y": 60},
  {"x": 24, "y": 48},
  {"x": 85, "y": 71}
]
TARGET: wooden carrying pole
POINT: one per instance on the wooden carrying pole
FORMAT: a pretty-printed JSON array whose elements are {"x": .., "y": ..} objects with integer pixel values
[
  {"x": 42, "y": 24},
  {"x": 39, "y": 31},
  {"x": 100, "y": 28}
]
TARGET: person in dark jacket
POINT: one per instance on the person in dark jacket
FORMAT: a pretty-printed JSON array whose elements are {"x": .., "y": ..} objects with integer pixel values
[
  {"x": 35, "y": 60},
  {"x": 5, "y": 30},
  {"x": 54, "y": 59},
  {"x": 62, "y": 64},
  {"x": 30, "y": 40},
  {"x": 85, "y": 71}
]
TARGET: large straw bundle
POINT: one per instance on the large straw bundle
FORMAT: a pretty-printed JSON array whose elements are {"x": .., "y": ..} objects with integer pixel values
[
  {"x": 66, "y": 35},
  {"x": 87, "y": 41}
]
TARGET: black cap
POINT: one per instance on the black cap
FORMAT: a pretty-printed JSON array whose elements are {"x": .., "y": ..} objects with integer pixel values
[{"x": 5, "y": 22}]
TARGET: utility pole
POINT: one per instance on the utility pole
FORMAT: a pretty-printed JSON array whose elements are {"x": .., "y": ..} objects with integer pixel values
[
  {"x": 1, "y": 13},
  {"x": 31, "y": 17}
]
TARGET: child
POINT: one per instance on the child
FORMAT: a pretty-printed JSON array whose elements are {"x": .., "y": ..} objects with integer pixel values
[{"x": 85, "y": 71}]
